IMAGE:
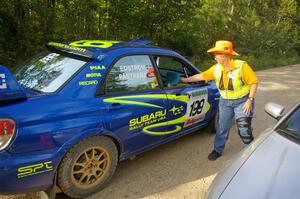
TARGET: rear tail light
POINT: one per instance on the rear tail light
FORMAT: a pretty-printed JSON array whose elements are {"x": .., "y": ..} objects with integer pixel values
[{"x": 7, "y": 131}]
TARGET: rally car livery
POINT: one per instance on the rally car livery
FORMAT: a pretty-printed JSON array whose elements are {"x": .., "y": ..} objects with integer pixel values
[{"x": 68, "y": 115}]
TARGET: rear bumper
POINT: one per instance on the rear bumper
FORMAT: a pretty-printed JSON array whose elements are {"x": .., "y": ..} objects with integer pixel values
[{"x": 22, "y": 173}]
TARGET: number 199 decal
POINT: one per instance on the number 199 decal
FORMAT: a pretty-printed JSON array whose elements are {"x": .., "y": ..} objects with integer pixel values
[{"x": 196, "y": 107}]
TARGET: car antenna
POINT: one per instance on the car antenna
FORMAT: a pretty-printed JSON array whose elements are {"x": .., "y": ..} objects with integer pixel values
[{"x": 107, "y": 3}]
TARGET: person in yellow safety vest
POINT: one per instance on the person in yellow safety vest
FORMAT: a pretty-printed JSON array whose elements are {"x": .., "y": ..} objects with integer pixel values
[{"x": 237, "y": 84}]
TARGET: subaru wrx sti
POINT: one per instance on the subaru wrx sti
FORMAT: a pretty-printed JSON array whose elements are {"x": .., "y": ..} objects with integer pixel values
[{"x": 70, "y": 114}]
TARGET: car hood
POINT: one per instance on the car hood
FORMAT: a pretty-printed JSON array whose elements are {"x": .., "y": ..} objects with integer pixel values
[
  {"x": 271, "y": 171},
  {"x": 233, "y": 165}
]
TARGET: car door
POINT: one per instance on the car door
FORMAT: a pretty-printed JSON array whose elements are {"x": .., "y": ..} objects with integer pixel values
[
  {"x": 189, "y": 105},
  {"x": 134, "y": 102}
]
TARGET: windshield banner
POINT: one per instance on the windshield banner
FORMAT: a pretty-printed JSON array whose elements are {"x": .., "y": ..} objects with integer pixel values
[{"x": 70, "y": 49}]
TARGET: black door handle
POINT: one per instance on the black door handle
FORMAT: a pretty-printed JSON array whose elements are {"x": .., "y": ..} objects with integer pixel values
[{"x": 116, "y": 106}]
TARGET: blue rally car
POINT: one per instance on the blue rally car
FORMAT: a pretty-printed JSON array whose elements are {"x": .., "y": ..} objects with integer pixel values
[{"x": 70, "y": 114}]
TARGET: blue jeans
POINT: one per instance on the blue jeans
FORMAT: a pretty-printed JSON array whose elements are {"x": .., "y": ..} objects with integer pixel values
[{"x": 228, "y": 109}]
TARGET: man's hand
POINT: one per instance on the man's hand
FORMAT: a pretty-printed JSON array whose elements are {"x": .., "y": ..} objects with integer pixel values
[
  {"x": 185, "y": 79},
  {"x": 247, "y": 107}
]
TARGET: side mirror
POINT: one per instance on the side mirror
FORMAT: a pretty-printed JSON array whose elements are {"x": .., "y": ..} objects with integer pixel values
[{"x": 274, "y": 110}]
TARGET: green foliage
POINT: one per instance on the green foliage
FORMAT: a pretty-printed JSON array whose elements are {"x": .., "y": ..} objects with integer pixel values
[{"x": 265, "y": 32}]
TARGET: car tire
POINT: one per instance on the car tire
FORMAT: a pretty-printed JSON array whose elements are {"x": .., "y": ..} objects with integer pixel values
[{"x": 87, "y": 167}]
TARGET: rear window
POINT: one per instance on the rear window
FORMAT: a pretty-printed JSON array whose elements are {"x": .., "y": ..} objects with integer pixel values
[{"x": 47, "y": 72}]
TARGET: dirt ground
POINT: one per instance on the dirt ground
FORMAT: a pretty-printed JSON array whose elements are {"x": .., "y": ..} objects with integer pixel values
[{"x": 180, "y": 169}]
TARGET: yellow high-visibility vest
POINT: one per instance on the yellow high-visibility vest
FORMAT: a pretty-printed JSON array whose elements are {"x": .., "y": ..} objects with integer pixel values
[{"x": 236, "y": 87}]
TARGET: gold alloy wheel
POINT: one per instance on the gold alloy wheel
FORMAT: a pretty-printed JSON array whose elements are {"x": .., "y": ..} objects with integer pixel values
[{"x": 90, "y": 167}]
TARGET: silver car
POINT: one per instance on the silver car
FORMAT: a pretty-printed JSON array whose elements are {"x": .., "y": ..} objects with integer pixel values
[{"x": 269, "y": 167}]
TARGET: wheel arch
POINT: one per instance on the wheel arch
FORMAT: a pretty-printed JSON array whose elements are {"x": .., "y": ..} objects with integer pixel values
[{"x": 89, "y": 133}]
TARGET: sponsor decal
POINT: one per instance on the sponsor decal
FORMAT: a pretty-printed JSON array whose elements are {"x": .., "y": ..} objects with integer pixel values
[
  {"x": 3, "y": 84},
  {"x": 94, "y": 74},
  {"x": 126, "y": 76},
  {"x": 189, "y": 122},
  {"x": 97, "y": 68},
  {"x": 196, "y": 102},
  {"x": 88, "y": 83},
  {"x": 49, "y": 58},
  {"x": 134, "y": 72},
  {"x": 147, "y": 119},
  {"x": 89, "y": 75},
  {"x": 176, "y": 110},
  {"x": 93, "y": 43},
  {"x": 66, "y": 46},
  {"x": 34, "y": 169},
  {"x": 134, "y": 68},
  {"x": 196, "y": 107}
]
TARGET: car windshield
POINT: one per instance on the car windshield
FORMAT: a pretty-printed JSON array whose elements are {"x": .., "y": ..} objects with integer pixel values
[
  {"x": 291, "y": 125},
  {"x": 47, "y": 71}
]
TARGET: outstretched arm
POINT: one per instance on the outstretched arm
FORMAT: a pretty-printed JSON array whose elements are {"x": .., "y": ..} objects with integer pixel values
[{"x": 194, "y": 78}]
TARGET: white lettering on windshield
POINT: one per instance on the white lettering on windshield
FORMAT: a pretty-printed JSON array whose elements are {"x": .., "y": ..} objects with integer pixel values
[
  {"x": 2, "y": 81},
  {"x": 49, "y": 57}
]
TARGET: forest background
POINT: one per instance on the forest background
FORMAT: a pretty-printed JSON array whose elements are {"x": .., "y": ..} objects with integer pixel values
[{"x": 265, "y": 32}]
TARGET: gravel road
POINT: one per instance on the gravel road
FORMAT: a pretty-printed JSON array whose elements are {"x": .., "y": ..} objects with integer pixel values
[{"x": 180, "y": 169}]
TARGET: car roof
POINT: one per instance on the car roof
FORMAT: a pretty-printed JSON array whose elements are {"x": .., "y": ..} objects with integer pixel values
[
  {"x": 97, "y": 49},
  {"x": 104, "y": 47}
]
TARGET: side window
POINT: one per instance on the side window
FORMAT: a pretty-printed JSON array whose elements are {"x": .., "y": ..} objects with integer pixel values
[
  {"x": 132, "y": 73},
  {"x": 171, "y": 71}
]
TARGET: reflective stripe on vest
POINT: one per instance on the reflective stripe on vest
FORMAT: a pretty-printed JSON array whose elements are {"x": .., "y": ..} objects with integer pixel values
[{"x": 237, "y": 89}]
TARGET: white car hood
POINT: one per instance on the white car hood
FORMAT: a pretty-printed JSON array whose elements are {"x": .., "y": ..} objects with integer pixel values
[{"x": 272, "y": 171}]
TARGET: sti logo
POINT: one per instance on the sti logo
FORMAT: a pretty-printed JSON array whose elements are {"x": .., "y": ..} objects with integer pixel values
[{"x": 2, "y": 81}]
